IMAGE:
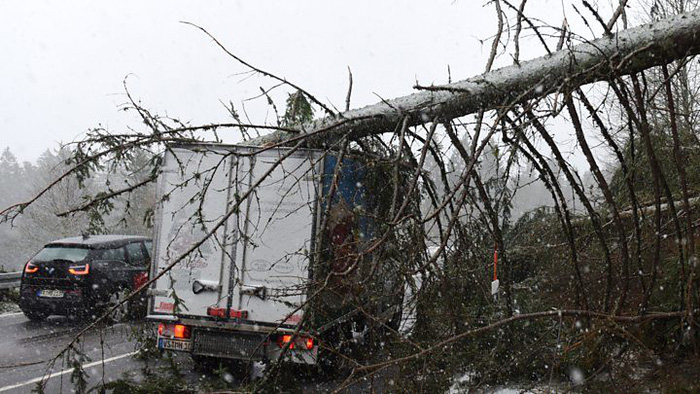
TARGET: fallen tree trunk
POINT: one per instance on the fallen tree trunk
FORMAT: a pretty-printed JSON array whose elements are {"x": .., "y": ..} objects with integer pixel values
[{"x": 627, "y": 52}]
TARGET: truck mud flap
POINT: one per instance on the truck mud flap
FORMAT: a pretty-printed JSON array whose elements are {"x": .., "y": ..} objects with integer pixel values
[{"x": 229, "y": 345}]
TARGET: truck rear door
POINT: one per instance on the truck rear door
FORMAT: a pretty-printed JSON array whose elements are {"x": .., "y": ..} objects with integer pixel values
[
  {"x": 195, "y": 190},
  {"x": 272, "y": 268}
]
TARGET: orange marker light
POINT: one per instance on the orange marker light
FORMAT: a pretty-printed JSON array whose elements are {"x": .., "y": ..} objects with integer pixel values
[
  {"x": 300, "y": 342},
  {"x": 182, "y": 331},
  {"x": 284, "y": 340}
]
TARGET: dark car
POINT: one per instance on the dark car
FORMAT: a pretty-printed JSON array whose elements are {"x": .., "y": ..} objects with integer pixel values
[{"x": 81, "y": 276}]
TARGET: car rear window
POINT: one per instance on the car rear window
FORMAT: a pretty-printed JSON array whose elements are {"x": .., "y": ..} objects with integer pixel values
[
  {"x": 58, "y": 252},
  {"x": 136, "y": 253},
  {"x": 149, "y": 248}
]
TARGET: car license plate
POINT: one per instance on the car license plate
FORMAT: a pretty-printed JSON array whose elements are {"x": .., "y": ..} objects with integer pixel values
[
  {"x": 173, "y": 344},
  {"x": 51, "y": 293}
]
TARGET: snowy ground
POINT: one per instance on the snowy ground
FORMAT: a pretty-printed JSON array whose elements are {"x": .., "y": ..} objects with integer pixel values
[
  {"x": 8, "y": 307},
  {"x": 461, "y": 385},
  {"x": 8, "y": 301},
  {"x": 455, "y": 389}
]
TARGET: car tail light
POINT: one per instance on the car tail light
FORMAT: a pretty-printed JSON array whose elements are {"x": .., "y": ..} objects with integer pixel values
[
  {"x": 82, "y": 269},
  {"x": 299, "y": 341},
  {"x": 179, "y": 331},
  {"x": 30, "y": 268},
  {"x": 139, "y": 279}
]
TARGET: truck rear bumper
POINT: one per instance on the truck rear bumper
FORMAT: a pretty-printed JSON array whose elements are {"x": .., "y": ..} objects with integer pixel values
[
  {"x": 226, "y": 344},
  {"x": 237, "y": 345}
]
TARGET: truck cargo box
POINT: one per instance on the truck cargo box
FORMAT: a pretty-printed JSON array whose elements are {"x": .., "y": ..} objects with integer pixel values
[{"x": 238, "y": 233}]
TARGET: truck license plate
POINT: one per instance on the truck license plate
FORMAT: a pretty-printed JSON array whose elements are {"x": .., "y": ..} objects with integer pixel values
[
  {"x": 51, "y": 293},
  {"x": 173, "y": 344}
]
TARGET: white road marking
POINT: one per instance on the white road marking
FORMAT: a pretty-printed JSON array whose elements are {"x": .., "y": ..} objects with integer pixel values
[
  {"x": 11, "y": 314},
  {"x": 65, "y": 371}
]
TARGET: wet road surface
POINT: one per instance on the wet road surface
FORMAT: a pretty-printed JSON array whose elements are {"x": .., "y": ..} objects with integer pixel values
[{"x": 26, "y": 347}]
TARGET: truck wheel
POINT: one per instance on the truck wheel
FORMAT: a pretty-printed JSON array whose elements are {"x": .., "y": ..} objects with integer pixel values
[
  {"x": 236, "y": 369},
  {"x": 205, "y": 364},
  {"x": 36, "y": 315},
  {"x": 333, "y": 357},
  {"x": 333, "y": 366},
  {"x": 241, "y": 370}
]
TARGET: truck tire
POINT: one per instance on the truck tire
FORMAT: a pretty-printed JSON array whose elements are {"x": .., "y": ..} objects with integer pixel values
[
  {"x": 240, "y": 370},
  {"x": 205, "y": 364}
]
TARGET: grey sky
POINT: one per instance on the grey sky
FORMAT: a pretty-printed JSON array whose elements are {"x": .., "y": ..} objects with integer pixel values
[{"x": 63, "y": 62}]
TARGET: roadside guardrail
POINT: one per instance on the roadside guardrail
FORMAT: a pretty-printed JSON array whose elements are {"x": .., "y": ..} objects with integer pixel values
[{"x": 10, "y": 280}]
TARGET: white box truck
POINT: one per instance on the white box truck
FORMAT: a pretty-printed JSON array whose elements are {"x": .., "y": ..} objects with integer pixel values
[{"x": 245, "y": 268}]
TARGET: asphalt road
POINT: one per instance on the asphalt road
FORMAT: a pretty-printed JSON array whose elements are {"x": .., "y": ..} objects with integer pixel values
[{"x": 26, "y": 348}]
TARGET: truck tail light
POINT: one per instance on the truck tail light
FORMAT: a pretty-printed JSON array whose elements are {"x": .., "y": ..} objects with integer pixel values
[
  {"x": 283, "y": 340},
  {"x": 30, "y": 268},
  {"x": 82, "y": 269},
  {"x": 182, "y": 331},
  {"x": 298, "y": 342},
  {"x": 179, "y": 331}
]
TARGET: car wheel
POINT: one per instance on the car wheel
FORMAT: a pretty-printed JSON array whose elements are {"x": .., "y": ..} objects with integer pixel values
[
  {"x": 121, "y": 313},
  {"x": 36, "y": 315}
]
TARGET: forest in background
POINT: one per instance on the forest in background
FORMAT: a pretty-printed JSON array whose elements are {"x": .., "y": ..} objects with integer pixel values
[{"x": 48, "y": 218}]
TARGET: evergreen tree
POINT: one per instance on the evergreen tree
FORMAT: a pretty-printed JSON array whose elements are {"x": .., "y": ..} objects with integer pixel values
[
  {"x": 13, "y": 189},
  {"x": 10, "y": 179},
  {"x": 299, "y": 110}
]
